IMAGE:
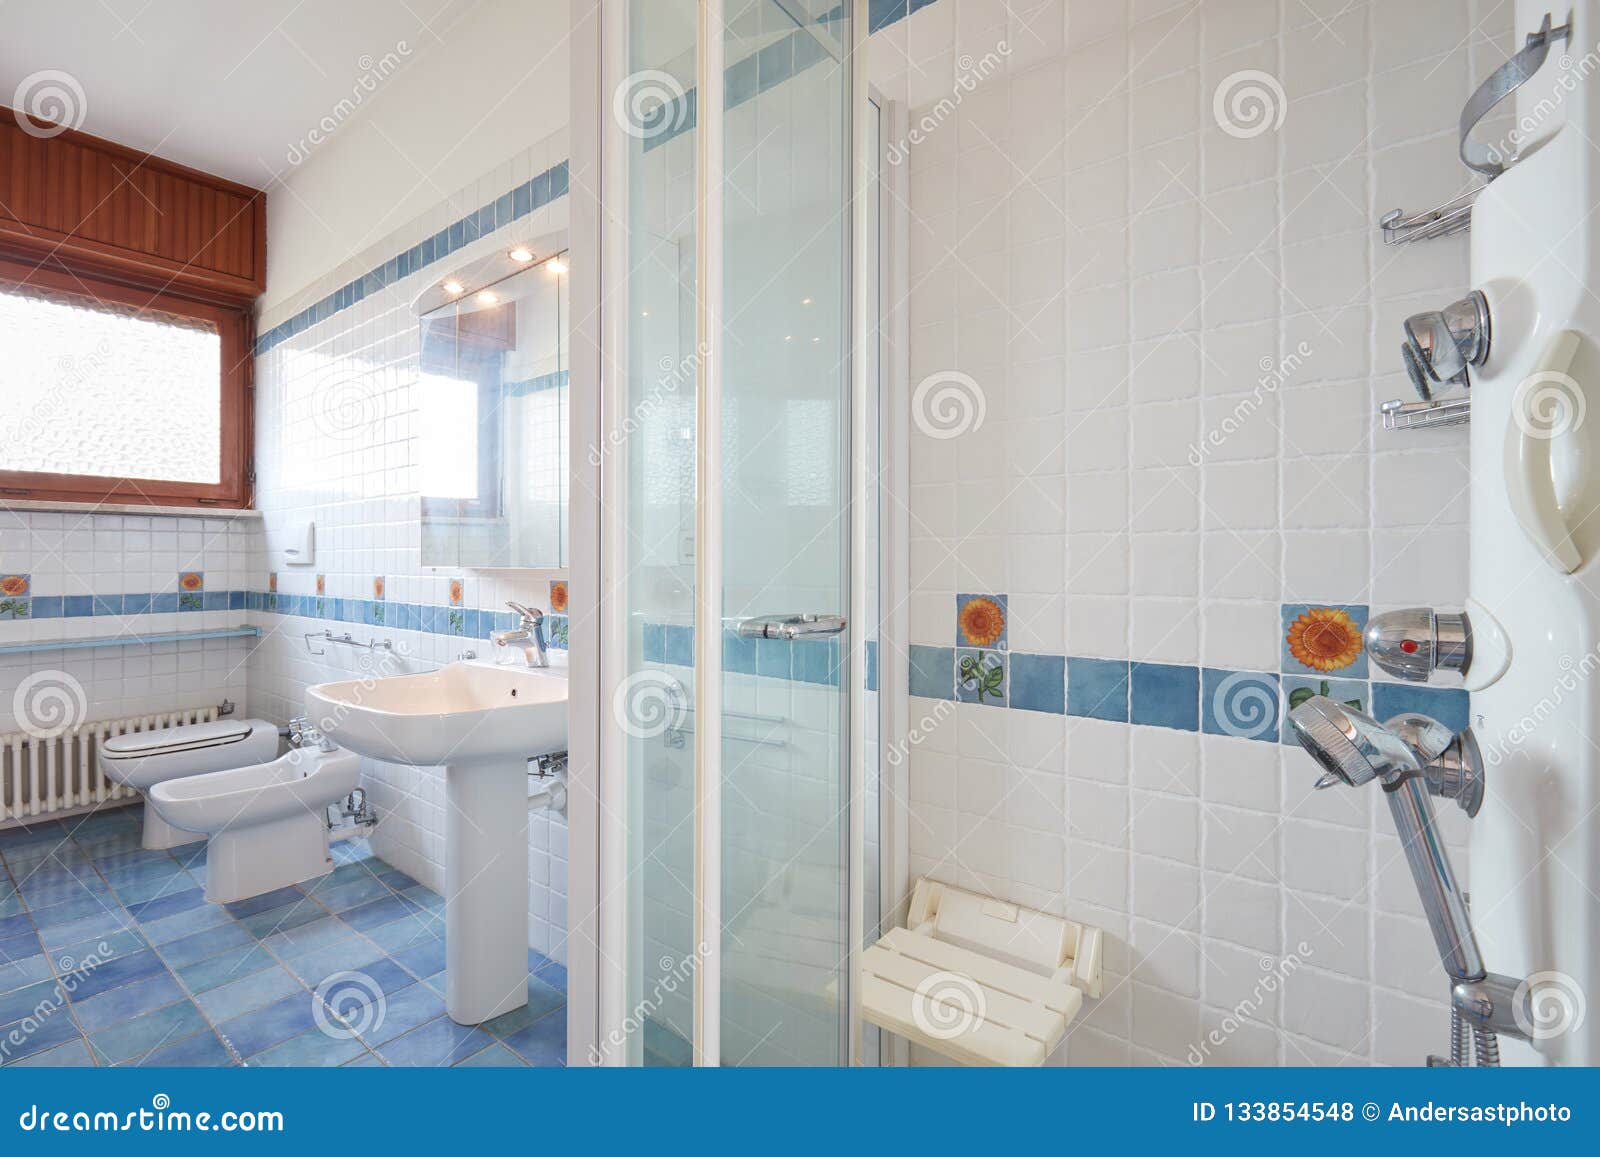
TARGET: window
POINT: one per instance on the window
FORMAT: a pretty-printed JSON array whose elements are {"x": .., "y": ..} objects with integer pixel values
[{"x": 114, "y": 394}]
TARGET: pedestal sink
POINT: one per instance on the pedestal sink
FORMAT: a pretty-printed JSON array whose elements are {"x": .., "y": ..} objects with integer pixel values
[{"x": 481, "y": 723}]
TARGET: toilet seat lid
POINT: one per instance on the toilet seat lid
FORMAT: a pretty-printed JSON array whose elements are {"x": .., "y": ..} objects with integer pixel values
[{"x": 189, "y": 737}]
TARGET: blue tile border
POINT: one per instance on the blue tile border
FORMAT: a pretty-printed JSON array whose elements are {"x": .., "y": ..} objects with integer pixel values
[
  {"x": 1039, "y": 683},
  {"x": 1451, "y": 706},
  {"x": 1098, "y": 689},
  {"x": 1165, "y": 695},
  {"x": 510, "y": 206}
]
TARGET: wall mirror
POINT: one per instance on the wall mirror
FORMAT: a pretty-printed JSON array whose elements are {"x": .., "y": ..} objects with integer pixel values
[{"x": 492, "y": 413}]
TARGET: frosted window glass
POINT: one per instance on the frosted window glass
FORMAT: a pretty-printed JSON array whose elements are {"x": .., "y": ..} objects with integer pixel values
[{"x": 108, "y": 391}]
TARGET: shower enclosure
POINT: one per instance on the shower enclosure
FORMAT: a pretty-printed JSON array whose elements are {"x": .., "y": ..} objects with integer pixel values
[{"x": 736, "y": 460}]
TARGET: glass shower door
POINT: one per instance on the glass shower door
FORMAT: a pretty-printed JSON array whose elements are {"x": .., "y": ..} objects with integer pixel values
[
  {"x": 730, "y": 559},
  {"x": 786, "y": 391}
]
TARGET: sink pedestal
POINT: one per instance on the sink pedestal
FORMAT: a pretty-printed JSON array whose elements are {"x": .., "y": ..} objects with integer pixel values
[{"x": 486, "y": 888}]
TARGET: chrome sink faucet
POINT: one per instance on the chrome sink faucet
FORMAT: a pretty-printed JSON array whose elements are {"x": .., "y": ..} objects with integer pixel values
[{"x": 528, "y": 634}]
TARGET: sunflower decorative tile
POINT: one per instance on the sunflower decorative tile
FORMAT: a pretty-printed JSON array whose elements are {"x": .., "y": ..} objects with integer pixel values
[
  {"x": 981, "y": 621},
  {"x": 558, "y": 596},
  {"x": 16, "y": 592},
  {"x": 191, "y": 590},
  {"x": 1324, "y": 639},
  {"x": 455, "y": 592}
]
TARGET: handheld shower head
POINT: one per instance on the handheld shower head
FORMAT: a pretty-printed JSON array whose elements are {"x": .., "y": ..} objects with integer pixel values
[
  {"x": 1355, "y": 748},
  {"x": 1352, "y": 747}
]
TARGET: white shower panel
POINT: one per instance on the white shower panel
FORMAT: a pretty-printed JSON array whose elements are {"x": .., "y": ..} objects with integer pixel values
[{"x": 1535, "y": 847}]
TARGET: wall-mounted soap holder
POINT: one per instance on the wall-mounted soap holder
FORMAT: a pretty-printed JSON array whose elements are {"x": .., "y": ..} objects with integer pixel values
[
  {"x": 1437, "y": 412},
  {"x": 345, "y": 640}
]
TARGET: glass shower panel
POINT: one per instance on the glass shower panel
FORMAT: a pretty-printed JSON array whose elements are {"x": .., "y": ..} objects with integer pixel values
[
  {"x": 785, "y": 451},
  {"x": 657, "y": 448}
]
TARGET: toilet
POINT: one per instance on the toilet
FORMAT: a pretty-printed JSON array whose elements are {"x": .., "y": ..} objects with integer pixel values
[
  {"x": 142, "y": 759},
  {"x": 267, "y": 823}
]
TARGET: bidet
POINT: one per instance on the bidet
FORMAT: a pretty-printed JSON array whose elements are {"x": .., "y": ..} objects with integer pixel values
[{"x": 1415, "y": 758}]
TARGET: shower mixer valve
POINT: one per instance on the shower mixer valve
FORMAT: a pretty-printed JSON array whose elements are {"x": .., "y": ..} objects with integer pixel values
[
  {"x": 1415, "y": 758},
  {"x": 1414, "y": 643}
]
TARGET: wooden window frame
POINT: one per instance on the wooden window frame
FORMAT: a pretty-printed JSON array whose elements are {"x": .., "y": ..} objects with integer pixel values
[{"x": 235, "y": 328}]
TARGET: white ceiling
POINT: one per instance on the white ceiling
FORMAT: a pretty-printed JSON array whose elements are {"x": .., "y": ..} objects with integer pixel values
[{"x": 231, "y": 87}]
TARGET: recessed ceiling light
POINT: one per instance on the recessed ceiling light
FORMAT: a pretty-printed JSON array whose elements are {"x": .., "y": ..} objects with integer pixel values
[
  {"x": 805, "y": 301},
  {"x": 521, "y": 254},
  {"x": 487, "y": 297},
  {"x": 556, "y": 265},
  {"x": 454, "y": 287}
]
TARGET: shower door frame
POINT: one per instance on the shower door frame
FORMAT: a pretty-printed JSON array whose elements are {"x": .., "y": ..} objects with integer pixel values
[{"x": 599, "y": 892}]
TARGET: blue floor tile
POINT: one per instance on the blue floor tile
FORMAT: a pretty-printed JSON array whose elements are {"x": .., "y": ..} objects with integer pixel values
[
  {"x": 438, "y": 1043},
  {"x": 402, "y": 1012},
  {"x": 90, "y": 979},
  {"x": 378, "y": 913},
  {"x": 24, "y": 1038},
  {"x": 203, "y": 1051},
  {"x": 496, "y": 1056},
  {"x": 248, "y": 993},
  {"x": 283, "y": 918},
  {"x": 258, "y": 1031},
  {"x": 21, "y": 1002},
  {"x": 90, "y": 928},
  {"x": 422, "y": 960},
  {"x": 314, "y": 1049},
  {"x": 169, "y": 905},
  {"x": 201, "y": 945},
  {"x": 325, "y": 932},
  {"x": 264, "y": 902},
  {"x": 127, "y": 1002},
  {"x": 406, "y": 933},
  {"x": 543, "y": 1043},
  {"x": 18, "y": 947},
  {"x": 184, "y": 924},
  {"x": 225, "y": 967},
  {"x": 72, "y": 1055},
  {"x": 143, "y": 1035},
  {"x": 28, "y": 970}
]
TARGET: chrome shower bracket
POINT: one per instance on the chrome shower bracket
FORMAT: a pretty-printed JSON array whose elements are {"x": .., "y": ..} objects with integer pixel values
[{"x": 1504, "y": 81}]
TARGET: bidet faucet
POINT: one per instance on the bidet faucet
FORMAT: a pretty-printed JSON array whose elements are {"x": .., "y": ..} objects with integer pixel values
[
  {"x": 528, "y": 634},
  {"x": 1415, "y": 758}
]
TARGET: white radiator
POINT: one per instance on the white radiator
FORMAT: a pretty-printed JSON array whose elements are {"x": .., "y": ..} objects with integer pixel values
[{"x": 45, "y": 776}]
